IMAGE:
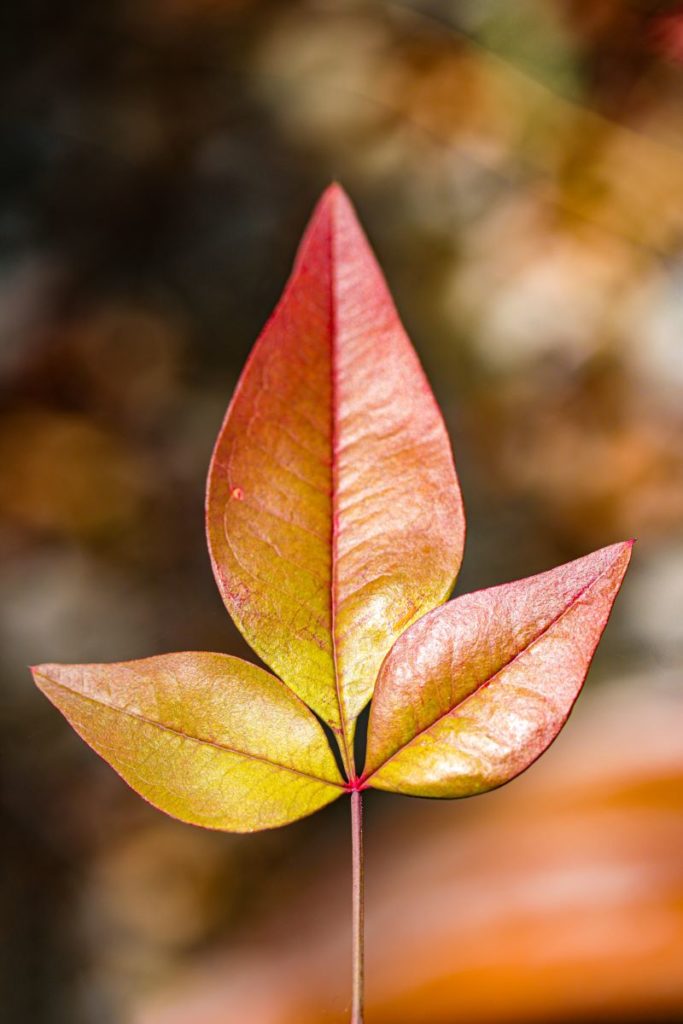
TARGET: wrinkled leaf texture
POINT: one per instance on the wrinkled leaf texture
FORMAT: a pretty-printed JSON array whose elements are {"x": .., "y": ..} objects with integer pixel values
[
  {"x": 335, "y": 528},
  {"x": 334, "y": 517},
  {"x": 472, "y": 694},
  {"x": 207, "y": 738}
]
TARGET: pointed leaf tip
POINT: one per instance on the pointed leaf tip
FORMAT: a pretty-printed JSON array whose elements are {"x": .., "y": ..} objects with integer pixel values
[
  {"x": 475, "y": 691},
  {"x": 351, "y": 524},
  {"x": 334, "y": 192}
]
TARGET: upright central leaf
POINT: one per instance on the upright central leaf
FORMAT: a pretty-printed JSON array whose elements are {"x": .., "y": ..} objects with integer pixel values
[{"x": 333, "y": 512}]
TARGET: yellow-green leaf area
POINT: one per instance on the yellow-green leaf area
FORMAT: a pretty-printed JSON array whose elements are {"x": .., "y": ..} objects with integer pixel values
[{"x": 207, "y": 738}]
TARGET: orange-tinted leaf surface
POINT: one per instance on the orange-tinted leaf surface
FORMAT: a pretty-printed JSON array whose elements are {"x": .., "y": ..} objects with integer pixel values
[
  {"x": 208, "y": 738},
  {"x": 333, "y": 512},
  {"x": 472, "y": 694}
]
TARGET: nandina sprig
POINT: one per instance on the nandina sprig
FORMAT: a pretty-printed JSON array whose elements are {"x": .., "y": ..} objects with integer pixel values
[{"x": 336, "y": 530}]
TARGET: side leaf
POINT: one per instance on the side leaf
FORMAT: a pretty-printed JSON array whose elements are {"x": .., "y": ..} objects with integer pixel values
[
  {"x": 207, "y": 738},
  {"x": 472, "y": 694},
  {"x": 334, "y": 517}
]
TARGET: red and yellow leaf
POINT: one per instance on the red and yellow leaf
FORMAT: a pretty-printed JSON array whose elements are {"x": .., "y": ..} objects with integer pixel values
[
  {"x": 208, "y": 738},
  {"x": 334, "y": 516},
  {"x": 472, "y": 694}
]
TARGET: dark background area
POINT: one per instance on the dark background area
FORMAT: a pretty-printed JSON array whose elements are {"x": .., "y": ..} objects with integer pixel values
[{"x": 519, "y": 170}]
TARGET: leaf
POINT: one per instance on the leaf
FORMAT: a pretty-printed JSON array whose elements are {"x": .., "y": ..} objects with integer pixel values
[
  {"x": 208, "y": 738},
  {"x": 334, "y": 517},
  {"x": 472, "y": 694}
]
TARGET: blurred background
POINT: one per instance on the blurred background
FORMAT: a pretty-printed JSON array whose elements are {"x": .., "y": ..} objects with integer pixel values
[{"x": 519, "y": 169}]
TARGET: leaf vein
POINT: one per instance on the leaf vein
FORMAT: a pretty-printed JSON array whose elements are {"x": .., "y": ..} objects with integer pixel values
[
  {"x": 487, "y": 682},
  {"x": 187, "y": 736}
]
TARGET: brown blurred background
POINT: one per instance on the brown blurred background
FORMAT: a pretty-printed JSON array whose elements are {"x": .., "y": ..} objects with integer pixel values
[{"x": 519, "y": 169}]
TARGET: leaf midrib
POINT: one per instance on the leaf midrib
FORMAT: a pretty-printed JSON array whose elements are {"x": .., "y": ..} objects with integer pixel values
[
  {"x": 487, "y": 682},
  {"x": 187, "y": 736},
  {"x": 347, "y": 751}
]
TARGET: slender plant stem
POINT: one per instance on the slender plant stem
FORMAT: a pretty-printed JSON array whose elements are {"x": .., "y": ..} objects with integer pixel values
[{"x": 358, "y": 903}]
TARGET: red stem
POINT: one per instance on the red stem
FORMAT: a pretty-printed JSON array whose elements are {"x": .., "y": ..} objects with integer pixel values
[{"x": 358, "y": 904}]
